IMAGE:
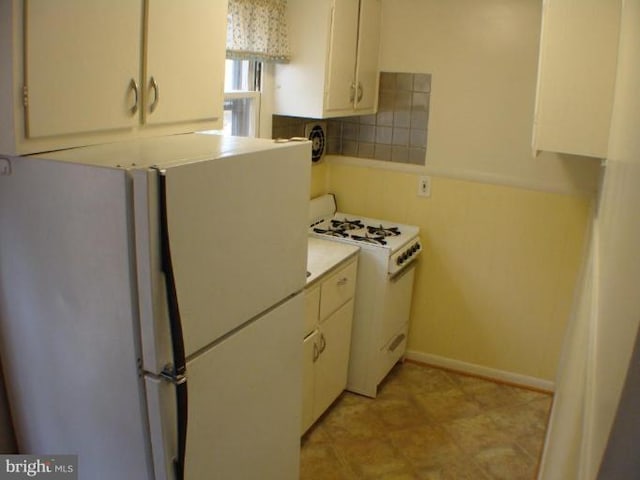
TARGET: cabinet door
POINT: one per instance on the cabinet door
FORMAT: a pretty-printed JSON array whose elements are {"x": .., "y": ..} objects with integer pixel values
[
  {"x": 333, "y": 364},
  {"x": 309, "y": 354},
  {"x": 185, "y": 52},
  {"x": 367, "y": 61},
  {"x": 576, "y": 76},
  {"x": 342, "y": 56},
  {"x": 80, "y": 59}
]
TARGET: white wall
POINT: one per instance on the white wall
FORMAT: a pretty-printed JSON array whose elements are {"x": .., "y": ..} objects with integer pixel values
[
  {"x": 483, "y": 56},
  {"x": 610, "y": 325}
]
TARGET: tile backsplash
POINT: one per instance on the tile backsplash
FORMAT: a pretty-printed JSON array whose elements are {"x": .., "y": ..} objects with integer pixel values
[{"x": 397, "y": 133}]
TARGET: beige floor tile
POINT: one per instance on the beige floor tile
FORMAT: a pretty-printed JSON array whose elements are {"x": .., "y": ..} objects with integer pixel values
[
  {"x": 352, "y": 419},
  {"x": 487, "y": 394},
  {"x": 453, "y": 471},
  {"x": 373, "y": 458},
  {"x": 320, "y": 462},
  {"x": 477, "y": 433},
  {"x": 506, "y": 463},
  {"x": 426, "y": 445},
  {"x": 429, "y": 424},
  {"x": 448, "y": 404},
  {"x": 415, "y": 378},
  {"x": 524, "y": 419},
  {"x": 397, "y": 413}
]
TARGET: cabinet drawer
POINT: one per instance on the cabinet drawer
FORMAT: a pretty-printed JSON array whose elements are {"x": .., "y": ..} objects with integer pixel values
[
  {"x": 392, "y": 352},
  {"x": 337, "y": 289},
  {"x": 311, "y": 307}
]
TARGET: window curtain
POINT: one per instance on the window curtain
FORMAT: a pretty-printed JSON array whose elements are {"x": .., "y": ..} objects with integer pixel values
[{"x": 257, "y": 30}]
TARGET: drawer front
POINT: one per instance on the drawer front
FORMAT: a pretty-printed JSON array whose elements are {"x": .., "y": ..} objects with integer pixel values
[
  {"x": 392, "y": 352},
  {"x": 338, "y": 289},
  {"x": 311, "y": 308},
  {"x": 397, "y": 304}
]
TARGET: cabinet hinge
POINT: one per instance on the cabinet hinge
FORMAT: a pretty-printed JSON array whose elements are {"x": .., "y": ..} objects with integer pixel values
[{"x": 25, "y": 96}]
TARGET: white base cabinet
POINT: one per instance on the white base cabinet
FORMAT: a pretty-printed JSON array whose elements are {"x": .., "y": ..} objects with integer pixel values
[{"x": 329, "y": 315}]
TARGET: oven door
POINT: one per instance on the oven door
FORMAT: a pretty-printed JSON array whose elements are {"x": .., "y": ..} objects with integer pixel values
[{"x": 397, "y": 302}]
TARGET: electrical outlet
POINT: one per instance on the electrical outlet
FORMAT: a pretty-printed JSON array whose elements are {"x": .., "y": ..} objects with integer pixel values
[{"x": 424, "y": 186}]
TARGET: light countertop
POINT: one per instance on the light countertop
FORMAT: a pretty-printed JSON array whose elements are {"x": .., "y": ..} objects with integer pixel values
[{"x": 324, "y": 255}]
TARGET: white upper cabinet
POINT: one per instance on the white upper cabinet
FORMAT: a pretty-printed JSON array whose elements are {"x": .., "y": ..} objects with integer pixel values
[
  {"x": 93, "y": 72},
  {"x": 576, "y": 76},
  {"x": 186, "y": 43},
  {"x": 341, "y": 64},
  {"x": 80, "y": 61},
  {"x": 334, "y": 63},
  {"x": 367, "y": 73}
]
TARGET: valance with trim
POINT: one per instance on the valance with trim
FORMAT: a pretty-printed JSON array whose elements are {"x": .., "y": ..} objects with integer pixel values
[{"x": 257, "y": 30}]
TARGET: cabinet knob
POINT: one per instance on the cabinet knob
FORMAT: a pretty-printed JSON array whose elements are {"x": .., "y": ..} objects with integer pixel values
[
  {"x": 156, "y": 94},
  {"x": 323, "y": 343},
  {"x": 133, "y": 86},
  {"x": 343, "y": 281},
  {"x": 360, "y": 92},
  {"x": 352, "y": 96}
]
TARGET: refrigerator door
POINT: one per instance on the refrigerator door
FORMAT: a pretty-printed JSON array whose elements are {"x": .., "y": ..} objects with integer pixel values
[
  {"x": 237, "y": 234},
  {"x": 244, "y": 403}
]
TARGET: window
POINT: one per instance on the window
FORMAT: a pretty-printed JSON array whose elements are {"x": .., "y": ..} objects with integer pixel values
[{"x": 242, "y": 86}]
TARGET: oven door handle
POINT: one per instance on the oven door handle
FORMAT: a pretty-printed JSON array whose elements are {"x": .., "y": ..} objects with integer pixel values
[{"x": 394, "y": 277}]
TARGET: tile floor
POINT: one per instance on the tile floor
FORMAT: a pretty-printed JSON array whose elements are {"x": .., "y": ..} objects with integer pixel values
[{"x": 431, "y": 424}]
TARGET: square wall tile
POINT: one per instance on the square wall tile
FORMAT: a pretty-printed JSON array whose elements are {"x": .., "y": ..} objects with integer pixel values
[
  {"x": 400, "y": 136},
  {"x": 404, "y": 81},
  {"x": 397, "y": 132},
  {"x": 422, "y": 82},
  {"x": 382, "y": 152}
]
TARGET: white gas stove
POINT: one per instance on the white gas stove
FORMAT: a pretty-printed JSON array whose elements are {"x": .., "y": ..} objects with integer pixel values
[
  {"x": 399, "y": 243},
  {"x": 388, "y": 254}
]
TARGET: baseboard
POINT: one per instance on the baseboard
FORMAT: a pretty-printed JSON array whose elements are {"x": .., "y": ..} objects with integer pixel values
[{"x": 482, "y": 371}]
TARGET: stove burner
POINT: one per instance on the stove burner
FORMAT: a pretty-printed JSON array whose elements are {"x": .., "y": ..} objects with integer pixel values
[
  {"x": 333, "y": 232},
  {"x": 377, "y": 240},
  {"x": 347, "y": 224},
  {"x": 383, "y": 231}
]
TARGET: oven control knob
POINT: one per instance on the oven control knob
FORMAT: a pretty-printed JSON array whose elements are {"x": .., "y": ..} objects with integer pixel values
[{"x": 399, "y": 260}]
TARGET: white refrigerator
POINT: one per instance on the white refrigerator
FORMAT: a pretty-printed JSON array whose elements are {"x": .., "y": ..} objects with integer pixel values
[{"x": 151, "y": 308}]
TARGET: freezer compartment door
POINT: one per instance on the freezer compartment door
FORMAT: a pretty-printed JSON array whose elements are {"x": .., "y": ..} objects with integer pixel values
[
  {"x": 237, "y": 235},
  {"x": 244, "y": 403}
]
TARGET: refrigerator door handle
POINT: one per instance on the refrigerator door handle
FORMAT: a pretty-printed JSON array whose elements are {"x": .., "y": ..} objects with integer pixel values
[{"x": 176, "y": 374}]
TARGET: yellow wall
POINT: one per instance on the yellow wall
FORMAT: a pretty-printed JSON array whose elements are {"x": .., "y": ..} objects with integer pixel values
[
  {"x": 494, "y": 286},
  {"x": 502, "y": 253},
  {"x": 319, "y": 179}
]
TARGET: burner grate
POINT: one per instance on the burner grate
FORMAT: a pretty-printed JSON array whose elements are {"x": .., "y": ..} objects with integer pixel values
[
  {"x": 377, "y": 240},
  {"x": 383, "y": 231},
  {"x": 346, "y": 224},
  {"x": 333, "y": 232}
]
